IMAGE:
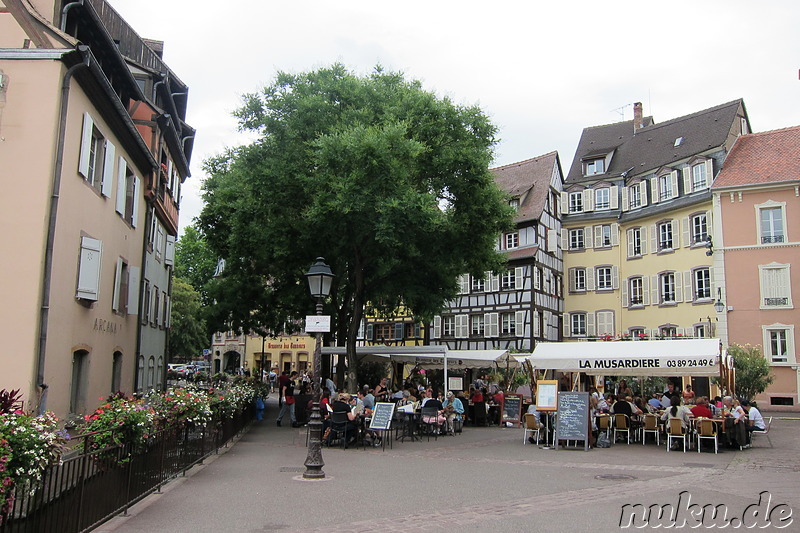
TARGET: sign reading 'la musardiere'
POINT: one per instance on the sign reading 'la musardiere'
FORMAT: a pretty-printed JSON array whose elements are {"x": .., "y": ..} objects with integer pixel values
[{"x": 643, "y": 363}]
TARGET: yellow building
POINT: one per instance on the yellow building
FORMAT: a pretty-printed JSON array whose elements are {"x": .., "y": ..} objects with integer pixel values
[{"x": 284, "y": 352}]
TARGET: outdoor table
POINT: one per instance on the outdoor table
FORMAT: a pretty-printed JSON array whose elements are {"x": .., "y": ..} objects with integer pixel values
[{"x": 408, "y": 425}]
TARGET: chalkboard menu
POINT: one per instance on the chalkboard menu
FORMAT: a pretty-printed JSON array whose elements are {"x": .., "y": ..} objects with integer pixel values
[
  {"x": 512, "y": 408},
  {"x": 572, "y": 422},
  {"x": 382, "y": 416}
]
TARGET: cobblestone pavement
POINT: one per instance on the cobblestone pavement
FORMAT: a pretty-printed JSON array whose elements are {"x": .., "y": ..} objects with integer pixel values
[{"x": 483, "y": 479}]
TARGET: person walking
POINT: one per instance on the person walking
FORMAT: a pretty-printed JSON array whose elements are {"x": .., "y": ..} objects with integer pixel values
[{"x": 287, "y": 393}]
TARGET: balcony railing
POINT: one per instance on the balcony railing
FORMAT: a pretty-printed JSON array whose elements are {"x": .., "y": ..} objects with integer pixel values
[
  {"x": 776, "y": 301},
  {"x": 766, "y": 239}
]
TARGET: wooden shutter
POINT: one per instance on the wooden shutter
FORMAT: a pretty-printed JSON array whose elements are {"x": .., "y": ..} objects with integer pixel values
[
  {"x": 167, "y": 309},
  {"x": 108, "y": 169},
  {"x": 629, "y": 240},
  {"x": 122, "y": 171},
  {"x": 653, "y": 239},
  {"x": 495, "y": 285},
  {"x": 133, "y": 290},
  {"x": 588, "y": 242},
  {"x": 564, "y": 203},
  {"x": 613, "y": 200},
  {"x": 709, "y": 172},
  {"x": 519, "y": 323},
  {"x": 624, "y": 294},
  {"x": 676, "y": 243},
  {"x": 398, "y": 331},
  {"x": 89, "y": 269},
  {"x": 676, "y": 276},
  {"x": 643, "y": 191},
  {"x": 490, "y": 324},
  {"x": 437, "y": 327},
  {"x": 673, "y": 176},
  {"x": 590, "y": 329},
  {"x": 654, "y": 190},
  {"x": 537, "y": 325},
  {"x": 655, "y": 290},
  {"x": 519, "y": 278},
  {"x": 462, "y": 326},
  {"x": 598, "y": 236},
  {"x": 572, "y": 286},
  {"x": 687, "y": 286},
  {"x": 117, "y": 285},
  {"x": 615, "y": 234},
  {"x": 643, "y": 238},
  {"x": 687, "y": 179},
  {"x": 685, "y": 231},
  {"x": 552, "y": 240},
  {"x": 369, "y": 332},
  {"x": 86, "y": 146},
  {"x": 614, "y": 277},
  {"x": 590, "y": 274},
  {"x": 588, "y": 200},
  {"x": 137, "y": 184},
  {"x": 537, "y": 278},
  {"x": 708, "y": 223},
  {"x": 169, "y": 251},
  {"x": 564, "y": 239},
  {"x": 625, "y": 204},
  {"x": 645, "y": 290},
  {"x": 567, "y": 325}
]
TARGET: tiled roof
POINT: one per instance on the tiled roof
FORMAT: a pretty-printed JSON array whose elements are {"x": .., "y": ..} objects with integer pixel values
[
  {"x": 653, "y": 145},
  {"x": 530, "y": 181},
  {"x": 767, "y": 157},
  {"x": 521, "y": 253}
]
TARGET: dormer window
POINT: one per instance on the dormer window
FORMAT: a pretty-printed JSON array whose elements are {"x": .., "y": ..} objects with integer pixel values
[
  {"x": 594, "y": 166},
  {"x": 514, "y": 203}
]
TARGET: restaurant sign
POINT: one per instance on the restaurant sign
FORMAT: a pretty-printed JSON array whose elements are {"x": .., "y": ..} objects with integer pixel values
[{"x": 644, "y": 363}]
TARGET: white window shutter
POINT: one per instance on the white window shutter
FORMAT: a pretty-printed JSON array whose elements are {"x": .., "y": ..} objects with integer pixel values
[
  {"x": 673, "y": 176},
  {"x": 437, "y": 327},
  {"x": 625, "y": 294},
  {"x": 537, "y": 326},
  {"x": 615, "y": 234},
  {"x": 625, "y": 203},
  {"x": 678, "y": 287},
  {"x": 564, "y": 203},
  {"x": 598, "y": 236},
  {"x": 86, "y": 145},
  {"x": 613, "y": 201},
  {"x": 614, "y": 277},
  {"x": 567, "y": 325},
  {"x": 590, "y": 330},
  {"x": 588, "y": 242},
  {"x": 133, "y": 290},
  {"x": 645, "y": 290},
  {"x": 654, "y": 190},
  {"x": 653, "y": 239},
  {"x": 495, "y": 282},
  {"x": 117, "y": 285},
  {"x": 519, "y": 323},
  {"x": 643, "y": 192},
  {"x": 709, "y": 172},
  {"x": 89, "y": 269},
  {"x": 167, "y": 309},
  {"x": 708, "y": 223},
  {"x": 687, "y": 179},
  {"x": 552, "y": 240},
  {"x": 675, "y": 229},
  {"x": 462, "y": 326},
  {"x": 687, "y": 286},
  {"x": 564, "y": 239},
  {"x": 590, "y": 275},
  {"x": 654, "y": 290},
  {"x": 629, "y": 240},
  {"x": 519, "y": 278},
  {"x": 491, "y": 325},
  {"x": 108, "y": 169},
  {"x": 711, "y": 281},
  {"x": 137, "y": 184},
  {"x": 687, "y": 237},
  {"x": 537, "y": 278},
  {"x": 571, "y": 279},
  {"x": 169, "y": 251},
  {"x": 588, "y": 200},
  {"x": 464, "y": 282},
  {"x": 122, "y": 171},
  {"x": 643, "y": 235}
]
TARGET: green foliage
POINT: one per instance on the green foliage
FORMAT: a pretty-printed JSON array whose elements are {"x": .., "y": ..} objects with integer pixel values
[
  {"x": 370, "y": 373},
  {"x": 188, "y": 335},
  {"x": 387, "y": 181},
  {"x": 195, "y": 262},
  {"x": 752, "y": 370}
]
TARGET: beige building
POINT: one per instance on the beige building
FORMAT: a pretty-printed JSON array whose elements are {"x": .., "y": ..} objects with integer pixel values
[
  {"x": 78, "y": 227},
  {"x": 233, "y": 352}
]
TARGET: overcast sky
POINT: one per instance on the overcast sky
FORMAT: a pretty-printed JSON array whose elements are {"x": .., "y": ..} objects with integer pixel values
[{"x": 541, "y": 71}]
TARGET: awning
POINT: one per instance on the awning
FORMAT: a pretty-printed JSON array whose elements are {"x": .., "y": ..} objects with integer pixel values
[
  {"x": 432, "y": 357},
  {"x": 695, "y": 357}
]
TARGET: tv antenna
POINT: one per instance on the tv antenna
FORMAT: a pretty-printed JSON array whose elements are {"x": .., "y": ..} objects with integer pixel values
[{"x": 621, "y": 111}]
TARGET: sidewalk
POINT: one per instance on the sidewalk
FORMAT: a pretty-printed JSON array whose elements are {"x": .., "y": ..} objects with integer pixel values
[{"x": 484, "y": 478}]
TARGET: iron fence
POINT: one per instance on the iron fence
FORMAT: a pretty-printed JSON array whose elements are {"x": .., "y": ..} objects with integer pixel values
[{"x": 91, "y": 486}]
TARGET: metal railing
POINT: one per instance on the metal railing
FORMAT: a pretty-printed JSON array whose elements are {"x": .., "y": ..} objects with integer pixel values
[
  {"x": 775, "y": 301},
  {"x": 89, "y": 488}
]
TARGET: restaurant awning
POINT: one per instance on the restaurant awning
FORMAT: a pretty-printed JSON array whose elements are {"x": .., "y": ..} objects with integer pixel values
[
  {"x": 696, "y": 357},
  {"x": 432, "y": 357}
]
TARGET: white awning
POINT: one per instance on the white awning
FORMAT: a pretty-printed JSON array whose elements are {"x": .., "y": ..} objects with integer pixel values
[
  {"x": 430, "y": 356},
  {"x": 695, "y": 357}
]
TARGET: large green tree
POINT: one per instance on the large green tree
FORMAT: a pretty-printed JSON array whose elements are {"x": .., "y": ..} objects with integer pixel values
[
  {"x": 384, "y": 179},
  {"x": 753, "y": 374},
  {"x": 195, "y": 262},
  {"x": 188, "y": 335}
]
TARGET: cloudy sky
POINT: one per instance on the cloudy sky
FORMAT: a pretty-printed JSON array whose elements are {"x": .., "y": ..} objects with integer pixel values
[{"x": 541, "y": 70}]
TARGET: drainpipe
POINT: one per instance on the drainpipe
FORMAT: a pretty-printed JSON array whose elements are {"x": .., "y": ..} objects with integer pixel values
[
  {"x": 64, "y": 13},
  {"x": 51, "y": 229}
]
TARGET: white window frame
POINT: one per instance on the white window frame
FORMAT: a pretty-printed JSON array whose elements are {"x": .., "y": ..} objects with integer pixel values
[
  {"x": 508, "y": 324},
  {"x": 699, "y": 222},
  {"x": 602, "y": 199},
  {"x": 772, "y": 295},
  {"x": 635, "y": 238},
  {"x": 634, "y": 196},
  {"x": 771, "y": 235},
  {"x": 508, "y": 280},
  {"x": 592, "y": 167},
  {"x": 790, "y": 355},
  {"x": 511, "y": 240},
  {"x": 477, "y": 325},
  {"x": 665, "y": 234},
  {"x": 604, "y": 278},
  {"x": 665, "y": 187},
  {"x": 701, "y": 282},
  {"x": 478, "y": 284},
  {"x": 576, "y": 239},
  {"x": 576, "y": 202},
  {"x": 665, "y": 279},
  {"x": 580, "y": 279},
  {"x": 699, "y": 177},
  {"x": 635, "y": 287},
  {"x": 577, "y": 324}
]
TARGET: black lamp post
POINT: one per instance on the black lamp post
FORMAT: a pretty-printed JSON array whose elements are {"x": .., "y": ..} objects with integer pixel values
[{"x": 319, "y": 278}]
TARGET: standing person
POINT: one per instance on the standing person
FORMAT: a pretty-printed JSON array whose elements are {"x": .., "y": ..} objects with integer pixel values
[
  {"x": 287, "y": 392},
  {"x": 282, "y": 380},
  {"x": 381, "y": 391},
  {"x": 624, "y": 390},
  {"x": 688, "y": 395},
  {"x": 273, "y": 380}
]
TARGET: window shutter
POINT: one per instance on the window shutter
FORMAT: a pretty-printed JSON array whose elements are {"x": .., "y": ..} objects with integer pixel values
[
  {"x": 614, "y": 277},
  {"x": 625, "y": 294},
  {"x": 167, "y": 309},
  {"x": 598, "y": 236},
  {"x": 645, "y": 290},
  {"x": 122, "y": 170},
  {"x": 519, "y": 323},
  {"x": 613, "y": 201},
  {"x": 709, "y": 172},
  {"x": 108, "y": 169},
  {"x": 537, "y": 325},
  {"x": 654, "y": 190},
  {"x": 675, "y": 229},
  {"x": 169, "y": 251},
  {"x": 679, "y": 331},
  {"x": 537, "y": 278},
  {"x": 654, "y": 290},
  {"x": 464, "y": 281},
  {"x": 643, "y": 194},
  {"x": 708, "y": 223},
  {"x": 711, "y": 281},
  {"x": 587, "y": 237},
  {"x": 133, "y": 290},
  {"x": 687, "y": 237},
  {"x": 564, "y": 203},
  {"x": 673, "y": 176},
  {"x": 86, "y": 145},
  {"x": 464, "y": 326},
  {"x": 564, "y": 239},
  {"x": 566, "y": 327},
  {"x": 629, "y": 240},
  {"x": 678, "y": 287},
  {"x": 398, "y": 331},
  {"x": 615, "y": 234},
  {"x": 495, "y": 282},
  {"x": 137, "y": 184},
  {"x": 590, "y": 329},
  {"x": 89, "y": 269},
  {"x": 370, "y": 332},
  {"x": 360, "y": 333},
  {"x": 519, "y": 278},
  {"x": 552, "y": 240},
  {"x": 643, "y": 235},
  {"x": 625, "y": 204},
  {"x": 653, "y": 239},
  {"x": 117, "y": 285},
  {"x": 588, "y": 200},
  {"x": 572, "y": 280},
  {"x": 491, "y": 325},
  {"x": 687, "y": 179},
  {"x": 437, "y": 327},
  {"x": 153, "y": 306},
  {"x": 688, "y": 293},
  {"x": 590, "y": 279}
]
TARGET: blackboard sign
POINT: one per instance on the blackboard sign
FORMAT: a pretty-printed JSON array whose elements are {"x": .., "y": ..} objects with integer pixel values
[
  {"x": 512, "y": 408},
  {"x": 572, "y": 422},
  {"x": 382, "y": 416}
]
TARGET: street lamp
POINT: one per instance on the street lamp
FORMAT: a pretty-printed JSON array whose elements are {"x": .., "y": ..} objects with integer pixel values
[
  {"x": 319, "y": 278},
  {"x": 719, "y": 306}
]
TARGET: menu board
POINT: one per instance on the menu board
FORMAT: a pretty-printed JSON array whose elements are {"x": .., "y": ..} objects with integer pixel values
[
  {"x": 382, "y": 416},
  {"x": 512, "y": 408},
  {"x": 455, "y": 383},
  {"x": 572, "y": 421},
  {"x": 546, "y": 391}
]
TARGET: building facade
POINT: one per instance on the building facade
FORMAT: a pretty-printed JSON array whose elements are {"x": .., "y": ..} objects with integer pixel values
[
  {"x": 72, "y": 135},
  {"x": 757, "y": 199}
]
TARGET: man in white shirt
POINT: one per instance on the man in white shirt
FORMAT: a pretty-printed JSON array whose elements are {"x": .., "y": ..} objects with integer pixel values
[{"x": 755, "y": 420}]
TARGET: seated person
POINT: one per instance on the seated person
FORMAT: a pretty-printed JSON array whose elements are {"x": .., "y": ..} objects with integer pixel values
[
  {"x": 754, "y": 419},
  {"x": 677, "y": 410},
  {"x": 735, "y": 422},
  {"x": 701, "y": 409},
  {"x": 476, "y": 396},
  {"x": 654, "y": 403},
  {"x": 343, "y": 405},
  {"x": 438, "y": 419},
  {"x": 453, "y": 410},
  {"x": 367, "y": 399}
]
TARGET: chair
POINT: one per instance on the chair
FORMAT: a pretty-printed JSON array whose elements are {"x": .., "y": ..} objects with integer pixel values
[
  {"x": 622, "y": 424},
  {"x": 430, "y": 421},
  {"x": 706, "y": 430},
  {"x": 651, "y": 426},
  {"x": 675, "y": 431},
  {"x": 340, "y": 428},
  {"x": 604, "y": 424},
  {"x": 530, "y": 425},
  {"x": 480, "y": 414},
  {"x": 764, "y": 431}
]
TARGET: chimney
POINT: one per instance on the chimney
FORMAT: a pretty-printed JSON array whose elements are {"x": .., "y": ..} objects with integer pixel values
[{"x": 637, "y": 117}]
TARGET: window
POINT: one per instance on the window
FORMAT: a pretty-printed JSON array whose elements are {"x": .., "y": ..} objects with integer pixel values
[
  {"x": 448, "y": 326},
  {"x": 577, "y": 324},
  {"x": 151, "y": 372},
  {"x": 146, "y": 306},
  {"x": 594, "y": 166},
  {"x": 602, "y": 198},
  {"x": 635, "y": 196},
  {"x": 580, "y": 279},
  {"x": 514, "y": 203},
  {"x": 89, "y": 269},
  {"x": 699, "y": 177},
  {"x": 508, "y": 324},
  {"x": 604, "y": 235},
  {"x": 637, "y": 333},
  {"x": 667, "y": 287},
  {"x": 478, "y": 284},
  {"x": 700, "y": 332},
  {"x": 771, "y": 224},
  {"x": 511, "y": 240},
  {"x": 667, "y": 331},
  {"x": 604, "y": 278},
  {"x": 508, "y": 280},
  {"x": 477, "y": 325},
  {"x": 157, "y": 308},
  {"x": 140, "y": 373},
  {"x": 96, "y": 162},
  {"x": 776, "y": 290},
  {"x": 383, "y": 332},
  {"x": 665, "y": 236},
  {"x": 576, "y": 202},
  {"x": 128, "y": 187},
  {"x": 159, "y": 244},
  {"x": 665, "y": 190},
  {"x": 699, "y": 228},
  {"x": 77, "y": 393},
  {"x": 116, "y": 372},
  {"x": 413, "y": 330},
  {"x": 634, "y": 242},
  {"x": 605, "y": 323},
  {"x": 119, "y": 303},
  {"x": 636, "y": 292},
  {"x": 702, "y": 283},
  {"x": 778, "y": 347},
  {"x": 576, "y": 239}
]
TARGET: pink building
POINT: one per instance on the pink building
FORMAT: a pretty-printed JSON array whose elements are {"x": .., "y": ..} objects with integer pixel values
[{"x": 757, "y": 195}]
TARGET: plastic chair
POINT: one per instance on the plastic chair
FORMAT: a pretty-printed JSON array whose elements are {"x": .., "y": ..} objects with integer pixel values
[
  {"x": 675, "y": 431},
  {"x": 530, "y": 425},
  {"x": 430, "y": 421},
  {"x": 651, "y": 426},
  {"x": 706, "y": 430},
  {"x": 764, "y": 431},
  {"x": 340, "y": 428},
  {"x": 622, "y": 424}
]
